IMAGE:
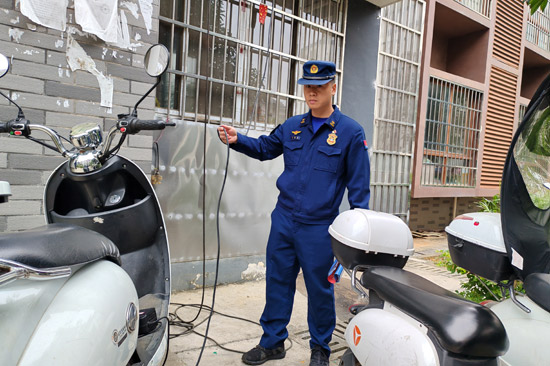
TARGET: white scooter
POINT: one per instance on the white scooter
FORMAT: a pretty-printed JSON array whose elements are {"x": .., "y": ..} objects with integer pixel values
[
  {"x": 93, "y": 286},
  {"x": 412, "y": 321}
]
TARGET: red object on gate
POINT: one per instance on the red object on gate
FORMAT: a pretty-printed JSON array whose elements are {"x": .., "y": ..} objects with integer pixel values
[{"x": 263, "y": 13}]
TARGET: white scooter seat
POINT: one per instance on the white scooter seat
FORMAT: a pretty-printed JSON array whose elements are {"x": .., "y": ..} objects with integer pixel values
[
  {"x": 57, "y": 245},
  {"x": 460, "y": 326}
]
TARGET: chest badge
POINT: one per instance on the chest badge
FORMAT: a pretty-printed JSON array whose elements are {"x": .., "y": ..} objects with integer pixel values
[
  {"x": 295, "y": 135},
  {"x": 331, "y": 140}
]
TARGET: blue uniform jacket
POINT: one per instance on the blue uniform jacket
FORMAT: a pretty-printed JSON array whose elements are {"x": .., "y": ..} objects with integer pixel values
[{"x": 318, "y": 167}]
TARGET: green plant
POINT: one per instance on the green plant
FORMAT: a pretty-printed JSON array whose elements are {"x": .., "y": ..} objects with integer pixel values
[
  {"x": 490, "y": 205},
  {"x": 476, "y": 289}
]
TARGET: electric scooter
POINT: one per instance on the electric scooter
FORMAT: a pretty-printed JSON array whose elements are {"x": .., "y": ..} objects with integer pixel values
[
  {"x": 412, "y": 321},
  {"x": 92, "y": 287}
]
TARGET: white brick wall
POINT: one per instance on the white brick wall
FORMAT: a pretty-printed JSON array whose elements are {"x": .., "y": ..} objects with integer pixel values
[{"x": 50, "y": 93}]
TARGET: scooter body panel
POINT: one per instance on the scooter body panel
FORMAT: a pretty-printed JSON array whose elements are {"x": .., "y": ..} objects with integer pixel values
[
  {"x": 87, "y": 323},
  {"x": 526, "y": 331},
  {"x": 135, "y": 225},
  {"x": 22, "y": 305},
  {"x": 388, "y": 337}
]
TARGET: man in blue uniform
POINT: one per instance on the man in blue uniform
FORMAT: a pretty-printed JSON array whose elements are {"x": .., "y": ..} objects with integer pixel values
[{"x": 324, "y": 152}]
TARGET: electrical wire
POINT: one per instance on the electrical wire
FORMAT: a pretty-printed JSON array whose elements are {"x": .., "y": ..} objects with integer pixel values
[
  {"x": 219, "y": 247},
  {"x": 188, "y": 325},
  {"x": 177, "y": 321}
]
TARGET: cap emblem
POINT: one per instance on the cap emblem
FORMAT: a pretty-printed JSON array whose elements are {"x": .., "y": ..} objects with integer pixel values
[{"x": 314, "y": 69}]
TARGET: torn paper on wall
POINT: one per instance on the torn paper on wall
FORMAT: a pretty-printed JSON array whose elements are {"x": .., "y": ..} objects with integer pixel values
[
  {"x": 146, "y": 7},
  {"x": 123, "y": 35},
  {"x": 98, "y": 17},
  {"x": 49, "y": 13},
  {"x": 132, "y": 7},
  {"x": 78, "y": 59}
]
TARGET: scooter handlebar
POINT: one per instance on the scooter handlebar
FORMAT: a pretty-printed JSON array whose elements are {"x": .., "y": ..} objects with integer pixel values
[
  {"x": 148, "y": 124},
  {"x": 133, "y": 125}
]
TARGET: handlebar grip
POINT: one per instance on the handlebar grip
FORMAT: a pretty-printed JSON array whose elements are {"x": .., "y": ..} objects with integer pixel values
[
  {"x": 4, "y": 127},
  {"x": 147, "y": 124}
]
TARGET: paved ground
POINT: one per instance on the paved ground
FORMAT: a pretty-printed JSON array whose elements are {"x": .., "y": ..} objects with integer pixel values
[{"x": 246, "y": 300}]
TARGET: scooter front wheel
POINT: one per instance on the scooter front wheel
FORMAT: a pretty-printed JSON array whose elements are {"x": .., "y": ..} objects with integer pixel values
[{"x": 348, "y": 359}]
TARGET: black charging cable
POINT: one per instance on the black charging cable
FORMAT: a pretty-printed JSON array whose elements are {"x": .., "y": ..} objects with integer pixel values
[{"x": 218, "y": 253}]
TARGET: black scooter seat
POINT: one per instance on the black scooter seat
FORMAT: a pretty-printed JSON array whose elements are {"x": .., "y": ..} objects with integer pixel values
[
  {"x": 460, "y": 326},
  {"x": 57, "y": 245}
]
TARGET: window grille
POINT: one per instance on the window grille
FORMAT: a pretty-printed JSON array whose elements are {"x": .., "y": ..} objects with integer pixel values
[
  {"x": 216, "y": 75},
  {"x": 482, "y": 7},
  {"x": 451, "y": 138},
  {"x": 538, "y": 28}
]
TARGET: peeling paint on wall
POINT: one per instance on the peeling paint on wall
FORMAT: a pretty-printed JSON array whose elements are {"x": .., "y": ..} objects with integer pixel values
[
  {"x": 15, "y": 34},
  {"x": 254, "y": 272},
  {"x": 78, "y": 59},
  {"x": 51, "y": 14},
  {"x": 98, "y": 17}
]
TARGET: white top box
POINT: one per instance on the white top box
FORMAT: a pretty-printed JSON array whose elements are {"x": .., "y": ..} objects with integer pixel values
[
  {"x": 372, "y": 231},
  {"x": 480, "y": 228}
]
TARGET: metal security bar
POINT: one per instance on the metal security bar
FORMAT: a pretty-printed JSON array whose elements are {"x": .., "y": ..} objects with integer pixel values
[
  {"x": 451, "y": 138},
  {"x": 399, "y": 56},
  {"x": 223, "y": 56},
  {"x": 482, "y": 7},
  {"x": 538, "y": 28}
]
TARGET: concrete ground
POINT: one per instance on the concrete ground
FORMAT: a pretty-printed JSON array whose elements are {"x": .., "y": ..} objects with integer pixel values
[{"x": 246, "y": 300}]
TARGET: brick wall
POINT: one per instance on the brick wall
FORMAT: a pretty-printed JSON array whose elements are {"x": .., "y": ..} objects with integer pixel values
[
  {"x": 434, "y": 213},
  {"x": 42, "y": 83}
]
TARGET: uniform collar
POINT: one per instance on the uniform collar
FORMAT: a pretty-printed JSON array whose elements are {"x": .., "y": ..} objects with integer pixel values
[{"x": 332, "y": 121}]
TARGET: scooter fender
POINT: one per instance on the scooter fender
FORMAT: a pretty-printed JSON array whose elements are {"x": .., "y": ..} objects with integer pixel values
[
  {"x": 378, "y": 337},
  {"x": 92, "y": 320}
]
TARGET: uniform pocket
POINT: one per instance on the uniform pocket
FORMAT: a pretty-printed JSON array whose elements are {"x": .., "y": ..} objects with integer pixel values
[
  {"x": 292, "y": 152},
  {"x": 327, "y": 159}
]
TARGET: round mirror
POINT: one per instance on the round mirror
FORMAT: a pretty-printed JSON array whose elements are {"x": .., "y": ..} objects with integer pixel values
[
  {"x": 156, "y": 60},
  {"x": 4, "y": 65}
]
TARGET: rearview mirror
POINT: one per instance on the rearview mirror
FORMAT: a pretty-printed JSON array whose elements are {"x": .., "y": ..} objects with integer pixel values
[
  {"x": 4, "y": 65},
  {"x": 156, "y": 60}
]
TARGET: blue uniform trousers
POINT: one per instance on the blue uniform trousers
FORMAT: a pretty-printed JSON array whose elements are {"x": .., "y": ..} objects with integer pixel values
[{"x": 292, "y": 245}]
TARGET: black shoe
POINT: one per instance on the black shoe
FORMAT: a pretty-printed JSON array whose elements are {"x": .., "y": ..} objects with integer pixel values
[
  {"x": 259, "y": 355},
  {"x": 318, "y": 357}
]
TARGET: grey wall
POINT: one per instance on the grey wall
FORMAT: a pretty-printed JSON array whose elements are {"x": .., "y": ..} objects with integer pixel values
[
  {"x": 360, "y": 63},
  {"x": 50, "y": 93}
]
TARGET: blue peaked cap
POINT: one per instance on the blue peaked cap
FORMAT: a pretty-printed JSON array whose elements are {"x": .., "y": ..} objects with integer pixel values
[{"x": 318, "y": 73}]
